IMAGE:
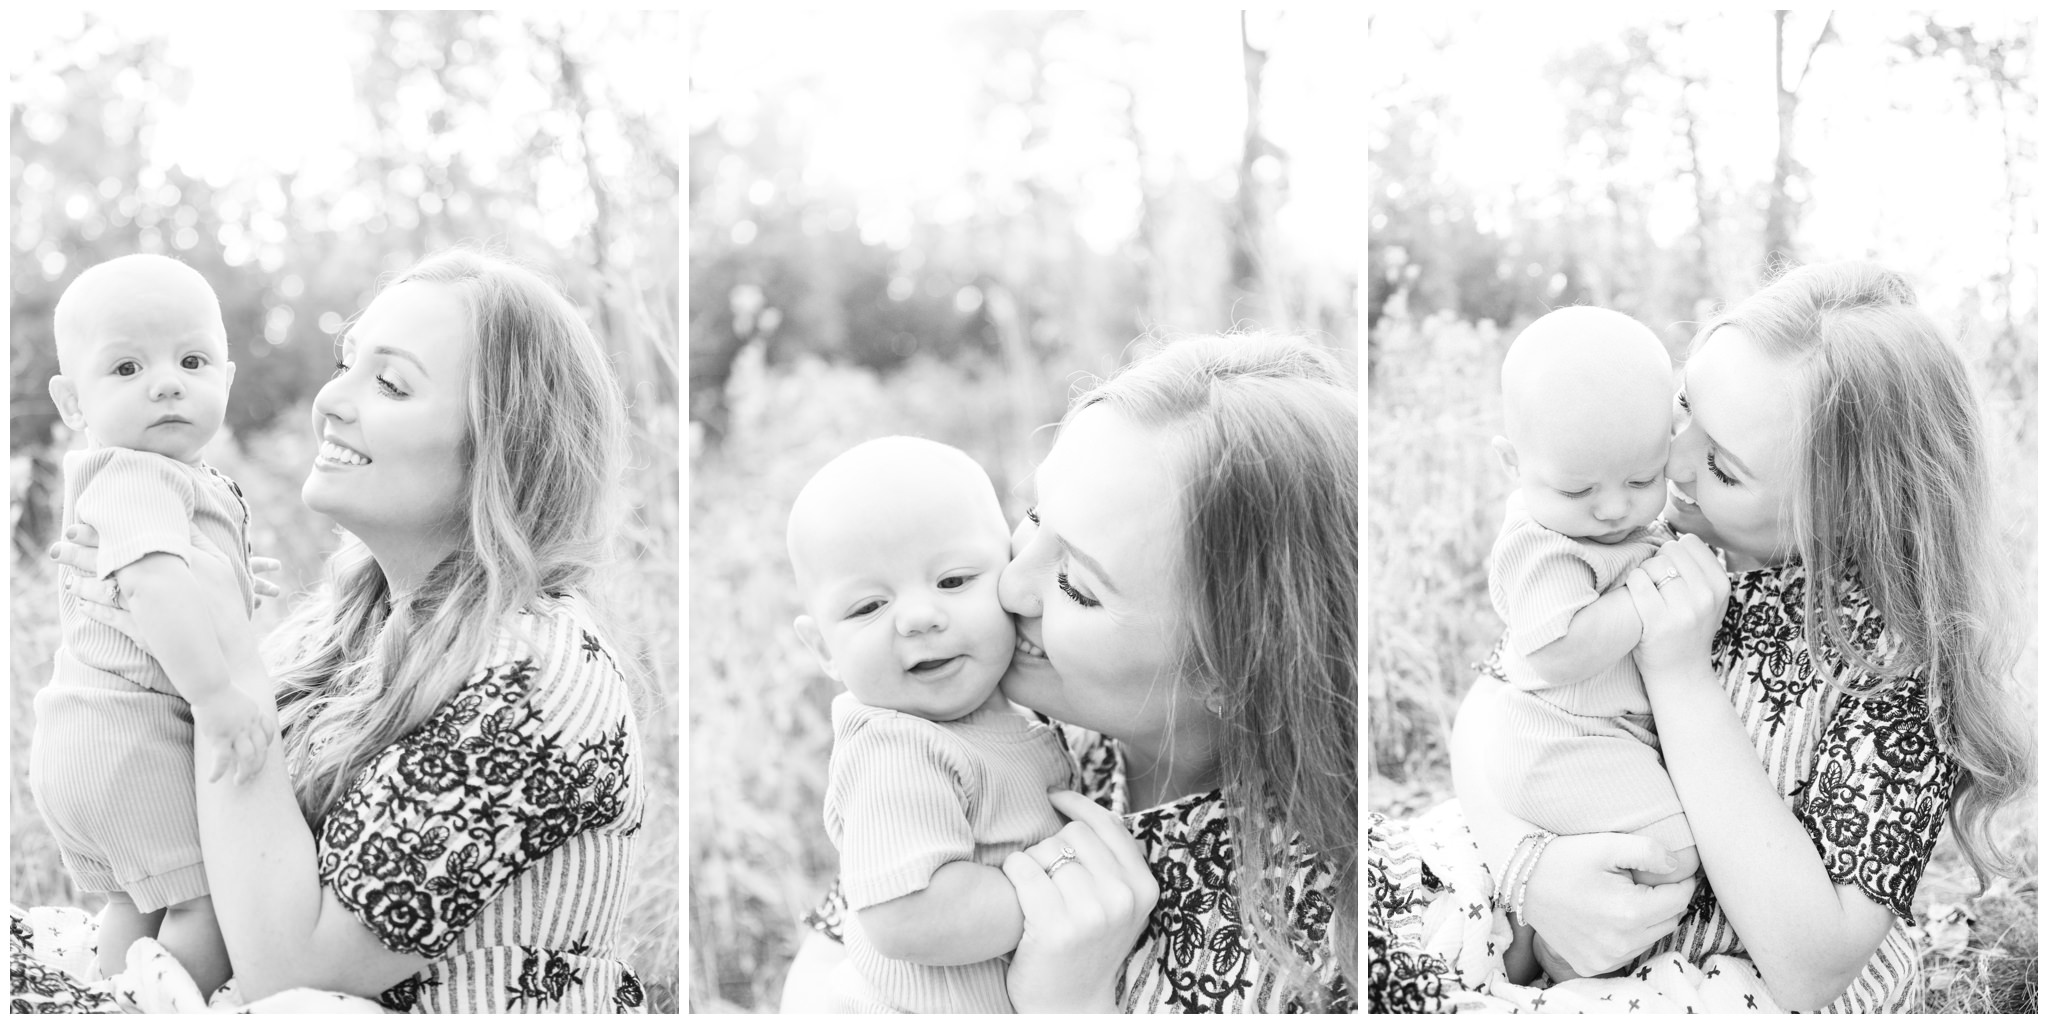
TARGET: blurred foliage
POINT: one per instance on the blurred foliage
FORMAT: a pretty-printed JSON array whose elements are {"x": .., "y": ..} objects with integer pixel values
[
  {"x": 587, "y": 193},
  {"x": 997, "y": 267},
  {"x": 1640, "y": 215}
]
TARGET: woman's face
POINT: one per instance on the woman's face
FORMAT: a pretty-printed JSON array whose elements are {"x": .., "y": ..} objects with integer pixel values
[
  {"x": 392, "y": 422},
  {"x": 1091, "y": 581},
  {"x": 1734, "y": 464}
]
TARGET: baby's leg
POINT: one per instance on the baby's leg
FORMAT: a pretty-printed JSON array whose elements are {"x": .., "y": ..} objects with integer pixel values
[
  {"x": 192, "y": 934},
  {"x": 1686, "y": 861},
  {"x": 120, "y": 925}
]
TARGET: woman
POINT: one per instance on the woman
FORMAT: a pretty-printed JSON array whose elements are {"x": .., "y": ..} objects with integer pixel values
[
  {"x": 1821, "y": 700},
  {"x": 449, "y": 819},
  {"x": 1185, "y": 588}
]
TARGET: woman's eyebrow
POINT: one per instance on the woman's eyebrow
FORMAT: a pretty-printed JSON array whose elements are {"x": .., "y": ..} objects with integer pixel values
[
  {"x": 387, "y": 350},
  {"x": 1094, "y": 567}
]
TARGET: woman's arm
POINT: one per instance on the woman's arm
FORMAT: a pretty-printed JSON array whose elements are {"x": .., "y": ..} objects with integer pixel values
[
  {"x": 283, "y": 929},
  {"x": 807, "y": 988},
  {"x": 1808, "y": 936},
  {"x": 1580, "y": 895}
]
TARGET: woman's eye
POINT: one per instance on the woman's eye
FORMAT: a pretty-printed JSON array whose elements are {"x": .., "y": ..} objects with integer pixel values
[
  {"x": 389, "y": 388},
  {"x": 1714, "y": 467},
  {"x": 339, "y": 369},
  {"x": 1032, "y": 514},
  {"x": 1078, "y": 598},
  {"x": 1682, "y": 403}
]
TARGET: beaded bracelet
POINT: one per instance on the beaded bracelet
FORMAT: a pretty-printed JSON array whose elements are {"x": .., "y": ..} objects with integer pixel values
[{"x": 1528, "y": 868}]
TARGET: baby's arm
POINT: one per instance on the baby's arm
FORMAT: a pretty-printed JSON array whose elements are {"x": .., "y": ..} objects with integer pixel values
[
  {"x": 163, "y": 596},
  {"x": 967, "y": 914},
  {"x": 1600, "y": 635}
]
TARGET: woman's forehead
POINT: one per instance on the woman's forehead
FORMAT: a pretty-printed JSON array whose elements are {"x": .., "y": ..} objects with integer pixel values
[
  {"x": 1108, "y": 486},
  {"x": 1745, "y": 398}
]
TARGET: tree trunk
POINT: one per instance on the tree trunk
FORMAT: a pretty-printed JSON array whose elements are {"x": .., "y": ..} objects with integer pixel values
[{"x": 1778, "y": 217}]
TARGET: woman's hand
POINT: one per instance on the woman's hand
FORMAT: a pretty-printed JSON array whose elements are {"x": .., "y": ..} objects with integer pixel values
[
  {"x": 1583, "y": 902},
  {"x": 1081, "y": 920},
  {"x": 1680, "y": 594},
  {"x": 80, "y": 550}
]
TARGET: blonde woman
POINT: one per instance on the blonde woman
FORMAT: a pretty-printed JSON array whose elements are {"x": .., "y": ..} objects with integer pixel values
[
  {"x": 1185, "y": 593},
  {"x": 448, "y": 822},
  {"x": 1829, "y": 688}
]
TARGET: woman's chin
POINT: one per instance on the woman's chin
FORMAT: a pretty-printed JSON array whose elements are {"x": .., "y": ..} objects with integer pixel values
[{"x": 1029, "y": 681}]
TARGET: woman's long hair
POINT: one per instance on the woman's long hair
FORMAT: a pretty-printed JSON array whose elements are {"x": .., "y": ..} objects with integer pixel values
[
  {"x": 1268, "y": 465},
  {"x": 1894, "y": 497},
  {"x": 542, "y": 456}
]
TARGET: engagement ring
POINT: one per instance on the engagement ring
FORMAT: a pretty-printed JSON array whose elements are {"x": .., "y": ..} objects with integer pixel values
[
  {"x": 1066, "y": 857},
  {"x": 1667, "y": 577}
]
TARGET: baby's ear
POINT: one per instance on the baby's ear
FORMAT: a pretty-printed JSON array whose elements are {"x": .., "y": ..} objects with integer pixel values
[
  {"x": 807, "y": 631},
  {"x": 65, "y": 394},
  {"x": 1506, "y": 451}
]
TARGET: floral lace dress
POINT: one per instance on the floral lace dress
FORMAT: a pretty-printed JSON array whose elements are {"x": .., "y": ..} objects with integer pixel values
[
  {"x": 1863, "y": 774},
  {"x": 496, "y": 840},
  {"x": 1195, "y": 955}
]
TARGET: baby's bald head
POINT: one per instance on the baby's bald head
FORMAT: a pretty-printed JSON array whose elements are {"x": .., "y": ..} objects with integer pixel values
[
  {"x": 872, "y": 493},
  {"x": 134, "y": 295},
  {"x": 1580, "y": 374}
]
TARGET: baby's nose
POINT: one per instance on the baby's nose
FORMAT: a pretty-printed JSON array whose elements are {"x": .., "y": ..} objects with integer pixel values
[{"x": 167, "y": 385}]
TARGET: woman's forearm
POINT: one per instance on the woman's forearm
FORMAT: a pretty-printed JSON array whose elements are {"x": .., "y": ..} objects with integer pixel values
[
  {"x": 1806, "y": 935},
  {"x": 282, "y": 930}
]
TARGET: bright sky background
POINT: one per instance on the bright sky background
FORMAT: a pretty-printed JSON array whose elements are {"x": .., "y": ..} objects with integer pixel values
[
  {"x": 895, "y": 132},
  {"x": 1898, "y": 169}
]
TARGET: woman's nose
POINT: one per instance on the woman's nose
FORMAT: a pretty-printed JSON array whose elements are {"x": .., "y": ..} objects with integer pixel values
[
  {"x": 331, "y": 400},
  {"x": 1679, "y": 466},
  {"x": 1018, "y": 588}
]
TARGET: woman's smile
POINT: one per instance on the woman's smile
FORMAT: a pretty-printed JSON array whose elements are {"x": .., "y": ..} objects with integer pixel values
[{"x": 334, "y": 454}]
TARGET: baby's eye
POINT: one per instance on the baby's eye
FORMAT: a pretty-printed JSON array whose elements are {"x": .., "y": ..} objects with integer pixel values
[
  {"x": 863, "y": 608},
  {"x": 1642, "y": 483},
  {"x": 192, "y": 362},
  {"x": 1580, "y": 493},
  {"x": 127, "y": 367},
  {"x": 955, "y": 581}
]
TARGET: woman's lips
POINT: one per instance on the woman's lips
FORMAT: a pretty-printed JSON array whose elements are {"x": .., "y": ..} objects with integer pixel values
[
  {"x": 1679, "y": 497},
  {"x": 1029, "y": 649}
]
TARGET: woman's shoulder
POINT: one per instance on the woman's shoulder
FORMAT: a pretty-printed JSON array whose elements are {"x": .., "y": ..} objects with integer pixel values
[{"x": 555, "y": 654}]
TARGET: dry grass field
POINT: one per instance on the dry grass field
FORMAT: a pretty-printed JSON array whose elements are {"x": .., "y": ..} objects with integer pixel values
[
  {"x": 642, "y": 597},
  {"x": 1434, "y": 490}
]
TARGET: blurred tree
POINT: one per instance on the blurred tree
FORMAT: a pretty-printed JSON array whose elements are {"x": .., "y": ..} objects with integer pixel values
[{"x": 1781, "y": 219}]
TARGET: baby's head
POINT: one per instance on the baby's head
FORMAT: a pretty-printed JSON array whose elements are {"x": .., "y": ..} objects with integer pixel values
[
  {"x": 1587, "y": 395},
  {"x": 897, "y": 545},
  {"x": 142, "y": 358}
]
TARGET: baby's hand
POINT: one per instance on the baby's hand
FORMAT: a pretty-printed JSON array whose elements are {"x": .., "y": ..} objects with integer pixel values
[{"x": 238, "y": 728}]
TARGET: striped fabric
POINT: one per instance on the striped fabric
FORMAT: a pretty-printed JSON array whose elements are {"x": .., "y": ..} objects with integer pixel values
[
  {"x": 111, "y": 763},
  {"x": 1804, "y": 729},
  {"x": 548, "y": 940},
  {"x": 907, "y": 796},
  {"x": 142, "y": 503}
]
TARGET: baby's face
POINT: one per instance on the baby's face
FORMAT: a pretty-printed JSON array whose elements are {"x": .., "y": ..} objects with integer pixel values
[
  {"x": 153, "y": 379},
  {"x": 904, "y": 601},
  {"x": 1594, "y": 483}
]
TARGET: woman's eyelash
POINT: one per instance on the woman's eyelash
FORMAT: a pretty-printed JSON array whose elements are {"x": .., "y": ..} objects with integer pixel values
[
  {"x": 1714, "y": 467},
  {"x": 1032, "y": 514},
  {"x": 1078, "y": 598}
]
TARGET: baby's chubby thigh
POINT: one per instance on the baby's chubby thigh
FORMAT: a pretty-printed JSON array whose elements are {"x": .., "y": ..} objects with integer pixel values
[{"x": 112, "y": 772}]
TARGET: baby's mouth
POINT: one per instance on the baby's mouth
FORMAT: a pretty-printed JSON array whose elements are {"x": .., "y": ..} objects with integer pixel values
[{"x": 931, "y": 665}]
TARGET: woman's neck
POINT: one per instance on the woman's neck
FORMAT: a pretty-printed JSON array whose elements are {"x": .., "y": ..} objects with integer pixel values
[
  {"x": 1179, "y": 762},
  {"x": 406, "y": 561}
]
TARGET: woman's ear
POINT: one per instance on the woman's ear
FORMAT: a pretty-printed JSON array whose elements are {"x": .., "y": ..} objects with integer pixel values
[
  {"x": 1506, "y": 451},
  {"x": 807, "y": 631},
  {"x": 65, "y": 393}
]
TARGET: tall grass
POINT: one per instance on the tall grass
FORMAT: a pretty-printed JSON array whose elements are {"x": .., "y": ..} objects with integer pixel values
[
  {"x": 642, "y": 596},
  {"x": 760, "y": 727},
  {"x": 1434, "y": 491}
]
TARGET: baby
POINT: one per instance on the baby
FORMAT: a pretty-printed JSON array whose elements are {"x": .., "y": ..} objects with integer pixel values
[
  {"x": 1588, "y": 406},
  {"x": 935, "y": 778},
  {"x": 143, "y": 371}
]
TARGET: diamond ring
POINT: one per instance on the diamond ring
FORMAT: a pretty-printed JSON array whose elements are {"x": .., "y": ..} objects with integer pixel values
[{"x": 1066, "y": 857}]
